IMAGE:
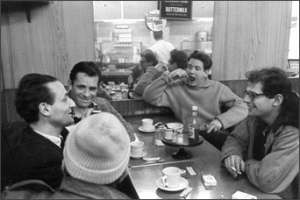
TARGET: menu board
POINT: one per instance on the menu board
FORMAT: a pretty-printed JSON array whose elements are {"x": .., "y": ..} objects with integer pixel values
[{"x": 181, "y": 10}]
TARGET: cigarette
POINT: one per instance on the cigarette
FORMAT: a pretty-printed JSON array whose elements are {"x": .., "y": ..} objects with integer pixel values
[
  {"x": 96, "y": 111},
  {"x": 234, "y": 169},
  {"x": 186, "y": 192}
]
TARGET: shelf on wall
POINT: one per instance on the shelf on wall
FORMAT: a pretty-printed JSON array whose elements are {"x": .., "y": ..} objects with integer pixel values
[{"x": 14, "y": 6}]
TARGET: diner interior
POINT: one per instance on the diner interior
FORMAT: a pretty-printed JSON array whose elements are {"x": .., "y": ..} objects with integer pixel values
[{"x": 50, "y": 37}]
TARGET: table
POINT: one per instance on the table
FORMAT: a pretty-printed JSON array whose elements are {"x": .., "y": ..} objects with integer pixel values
[
  {"x": 144, "y": 180},
  {"x": 206, "y": 160}
]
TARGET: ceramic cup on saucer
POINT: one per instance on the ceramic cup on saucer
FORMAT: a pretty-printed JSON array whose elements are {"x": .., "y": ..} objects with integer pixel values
[
  {"x": 171, "y": 178},
  {"x": 137, "y": 149},
  {"x": 168, "y": 133},
  {"x": 147, "y": 124}
]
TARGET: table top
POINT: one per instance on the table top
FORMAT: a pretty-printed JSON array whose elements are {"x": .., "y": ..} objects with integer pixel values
[{"x": 206, "y": 159}]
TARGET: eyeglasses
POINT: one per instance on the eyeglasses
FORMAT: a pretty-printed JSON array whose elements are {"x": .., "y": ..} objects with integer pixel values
[{"x": 253, "y": 95}]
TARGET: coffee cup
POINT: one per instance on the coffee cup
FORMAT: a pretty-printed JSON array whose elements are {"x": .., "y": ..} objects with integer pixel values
[
  {"x": 147, "y": 124},
  {"x": 168, "y": 133},
  {"x": 136, "y": 148},
  {"x": 171, "y": 178}
]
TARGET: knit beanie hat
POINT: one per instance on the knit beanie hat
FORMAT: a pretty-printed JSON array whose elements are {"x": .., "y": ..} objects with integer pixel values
[{"x": 97, "y": 149}]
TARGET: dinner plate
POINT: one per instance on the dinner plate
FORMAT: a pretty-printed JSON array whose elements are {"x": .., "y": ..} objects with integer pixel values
[
  {"x": 146, "y": 131},
  {"x": 141, "y": 156},
  {"x": 183, "y": 184}
]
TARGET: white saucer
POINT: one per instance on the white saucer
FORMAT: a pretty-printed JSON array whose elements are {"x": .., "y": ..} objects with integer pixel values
[
  {"x": 141, "y": 156},
  {"x": 146, "y": 131},
  {"x": 183, "y": 184}
]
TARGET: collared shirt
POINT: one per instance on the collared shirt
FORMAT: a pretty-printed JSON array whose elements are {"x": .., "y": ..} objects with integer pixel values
[{"x": 56, "y": 140}]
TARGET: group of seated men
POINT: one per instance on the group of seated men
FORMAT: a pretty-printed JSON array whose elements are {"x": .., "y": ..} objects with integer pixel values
[
  {"x": 65, "y": 149},
  {"x": 263, "y": 128}
]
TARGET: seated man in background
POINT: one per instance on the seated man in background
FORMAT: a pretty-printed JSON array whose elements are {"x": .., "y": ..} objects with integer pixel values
[
  {"x": 83, "y": 85},
  {"x": 147, "y": 63},
  {"x": 190, "y": 86},
  {"x": 177, "y": 58},
  {"x": 96, "y": 157},
  {"x": 266, "y": 144},
  {"x": 148, "y": 59},
  {"x": 37, "y": 152}
]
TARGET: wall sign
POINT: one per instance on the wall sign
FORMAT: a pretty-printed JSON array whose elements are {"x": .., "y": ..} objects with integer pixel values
[
  {"x": 181, "y": 10},
  {"x": 153, "y": 21}
]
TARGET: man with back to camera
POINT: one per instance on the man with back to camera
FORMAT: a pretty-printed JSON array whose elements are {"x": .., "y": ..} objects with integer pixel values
[
  {"x": 177, "y": 58},
  {"x": 37, "y": 154},
  {"x": 83, "y": 84},
  {"x": 189, "y": 86},
  {"x": 265, "y": 146},
  {"x": 161, "y": 48}
]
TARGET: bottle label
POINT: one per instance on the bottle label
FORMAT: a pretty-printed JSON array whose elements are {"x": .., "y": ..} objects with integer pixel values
[{"x": 191, "y": 132}]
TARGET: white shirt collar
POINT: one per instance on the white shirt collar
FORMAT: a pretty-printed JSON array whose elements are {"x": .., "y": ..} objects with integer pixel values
[{"x": 56, "y": 140}]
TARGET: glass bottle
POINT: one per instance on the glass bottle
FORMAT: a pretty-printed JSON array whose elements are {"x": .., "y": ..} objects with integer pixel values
[
  {"x": 193, "y": 124},
  {"x": 130, "y": 81},
  {"x": 174, "y": 136},
  {"x": 130, "y": 86},
  {"x": 180, "y": 138},
  {"x": 159, "y": 134}
]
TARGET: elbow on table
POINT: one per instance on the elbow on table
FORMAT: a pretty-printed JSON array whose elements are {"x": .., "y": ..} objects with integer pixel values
[{"x": 269, "y": 187}]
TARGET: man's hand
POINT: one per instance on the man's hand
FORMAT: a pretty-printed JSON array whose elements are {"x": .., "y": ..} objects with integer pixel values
[
  {"x": 214, "y": 125},
  {"x": 234, "y": 164},
  {"x": 161, "y": 67},
  {"x": 87, "y": 113},
  {"x": 178, "y": 74}
]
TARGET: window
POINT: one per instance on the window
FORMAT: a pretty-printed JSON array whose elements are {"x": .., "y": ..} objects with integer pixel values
[{"x": 294, "y": 32}]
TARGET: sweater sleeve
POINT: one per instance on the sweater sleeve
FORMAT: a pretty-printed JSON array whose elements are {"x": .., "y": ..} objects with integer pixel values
[
  {"x": 155, "y": 92},
  {"x": 236, "y": 113},
  {"x": 275, "y": 172},
  {"x": 145, "y": 80},
  {"x": 237, "y": 142},
  {"x": 105, "y": 105}
]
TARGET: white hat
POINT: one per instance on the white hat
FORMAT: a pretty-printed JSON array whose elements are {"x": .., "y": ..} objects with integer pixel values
[{"x": 97, "y": 149}]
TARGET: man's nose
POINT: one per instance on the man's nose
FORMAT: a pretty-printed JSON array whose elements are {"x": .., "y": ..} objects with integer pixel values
[
  {"x": 87, "y": 93},
  {"x": 71, "y": 103}
]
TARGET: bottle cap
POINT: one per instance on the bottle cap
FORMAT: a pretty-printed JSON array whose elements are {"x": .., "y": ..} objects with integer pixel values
[{"x": 194, "y": 108}]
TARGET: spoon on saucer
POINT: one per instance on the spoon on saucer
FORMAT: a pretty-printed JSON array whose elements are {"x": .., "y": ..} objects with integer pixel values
[{"x": 154, "y": 160}]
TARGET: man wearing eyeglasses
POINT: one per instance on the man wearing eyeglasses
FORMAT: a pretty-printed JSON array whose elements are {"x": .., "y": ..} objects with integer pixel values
[{"x": 265, "y": 146}]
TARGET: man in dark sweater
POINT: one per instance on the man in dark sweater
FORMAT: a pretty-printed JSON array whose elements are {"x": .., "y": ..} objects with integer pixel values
[{"x": 36, "y": 152}]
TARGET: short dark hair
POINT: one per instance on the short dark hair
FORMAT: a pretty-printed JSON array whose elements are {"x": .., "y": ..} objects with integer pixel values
[
  {"x": 31, "y": 92},
  {"x": 150, "y": 56},
  {"x": 180, "y": 58},
  {"x": 200, "y": 55},
  {"x": 90, "y": 68},
  {"x": 157, "y": 34},
  {"x": 275, "y": 81}
]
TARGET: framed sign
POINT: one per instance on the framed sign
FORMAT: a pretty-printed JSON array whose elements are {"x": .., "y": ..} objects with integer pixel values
[{"x": 181, "y": 10}]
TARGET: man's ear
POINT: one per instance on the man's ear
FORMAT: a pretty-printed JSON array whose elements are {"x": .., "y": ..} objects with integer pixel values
[
  {"x": 69, "y": 85},
  {"x": 45, "y": 109},
  {"x": 278, "y": 99},
  {"x": 208, "y": 71}
]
